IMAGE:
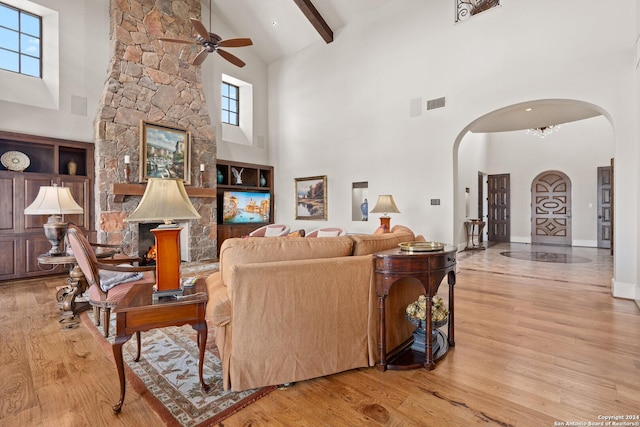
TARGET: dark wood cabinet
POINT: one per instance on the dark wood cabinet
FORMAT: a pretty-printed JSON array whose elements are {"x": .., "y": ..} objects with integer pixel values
[
  {"x": 254, "y": 178},
  {"x": 22, "y": 236}
]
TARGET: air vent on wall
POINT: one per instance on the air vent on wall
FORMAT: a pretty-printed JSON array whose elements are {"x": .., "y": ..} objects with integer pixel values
[{"x": 432, "y": 104}]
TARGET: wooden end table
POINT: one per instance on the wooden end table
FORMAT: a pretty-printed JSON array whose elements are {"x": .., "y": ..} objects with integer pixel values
[
  {"x": 429, "y": 268},
  {"x": 138, "y": 312},
  {"x": 68, "y": 296}
]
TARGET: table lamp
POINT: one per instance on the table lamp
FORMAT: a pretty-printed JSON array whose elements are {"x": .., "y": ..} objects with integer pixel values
[
  {"x": 384, "y": 205},
  {"x": 165, "y": 200},
  {"x": 55, "y": 201}
]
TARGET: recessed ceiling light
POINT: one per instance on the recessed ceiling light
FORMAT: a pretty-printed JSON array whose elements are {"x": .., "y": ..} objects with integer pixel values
[{"x": 528, "y": 109}]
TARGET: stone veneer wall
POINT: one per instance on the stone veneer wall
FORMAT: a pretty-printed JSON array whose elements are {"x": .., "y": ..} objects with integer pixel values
[{"x": 152, "y": 81}]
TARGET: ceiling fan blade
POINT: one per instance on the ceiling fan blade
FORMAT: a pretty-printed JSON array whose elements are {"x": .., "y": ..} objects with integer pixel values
[
  {"x": 235, "y": 43},
  {"x": 197, "y": 25},
  {"x": 231, "y": 58},
  {"x": 199, "y": 59},
  {"x": 164, "y": 39}
]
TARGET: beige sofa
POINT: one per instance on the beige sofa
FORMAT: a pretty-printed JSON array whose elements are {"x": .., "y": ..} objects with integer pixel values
[{"x": 287, "y": 309}]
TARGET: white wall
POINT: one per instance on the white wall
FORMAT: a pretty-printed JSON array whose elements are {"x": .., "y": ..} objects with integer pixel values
[
  {"x": 83, "y": 57},
  {"x": 342, "y": 109},
  {"x": 577, "y": 149},
  {"x": 255, "y": 73}
]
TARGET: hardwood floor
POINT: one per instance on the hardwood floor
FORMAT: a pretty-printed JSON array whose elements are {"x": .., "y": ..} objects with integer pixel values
[{"x": 536, "y": 344}]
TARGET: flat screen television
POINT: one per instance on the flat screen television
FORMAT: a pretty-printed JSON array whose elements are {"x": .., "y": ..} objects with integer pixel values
[{"x": 244, "y": 207}]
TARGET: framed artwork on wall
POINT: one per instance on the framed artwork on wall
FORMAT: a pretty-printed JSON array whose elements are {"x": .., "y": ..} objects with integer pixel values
[
  {"x": 165, "y": 152},
  {"x": 465, "y": 9},
  {"x": 311, "y": 197}
]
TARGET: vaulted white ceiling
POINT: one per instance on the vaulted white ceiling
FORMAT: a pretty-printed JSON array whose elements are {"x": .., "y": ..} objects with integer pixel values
[
  {"x": 279, "y": 28},
  {"x": 293, "y": 31}
]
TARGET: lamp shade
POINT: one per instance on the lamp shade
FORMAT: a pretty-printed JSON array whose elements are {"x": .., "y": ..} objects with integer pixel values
[
  {"x": 385, "y": 205},
  {"x": 164, "y": 200},
  {"x": 53, "y": 201}
]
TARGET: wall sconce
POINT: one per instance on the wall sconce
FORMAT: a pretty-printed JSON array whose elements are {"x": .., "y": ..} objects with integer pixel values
[
  {"x": 165, "y": 200},
  {"x": 55, "y": 201}
]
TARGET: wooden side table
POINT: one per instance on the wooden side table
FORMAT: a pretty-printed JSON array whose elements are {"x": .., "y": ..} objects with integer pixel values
[
  {"x": 429, "y": 268},
  {"x": 67, "y": 296},
  {"x": 138, "y": 312},
  {"x": 473, "y": 229}
]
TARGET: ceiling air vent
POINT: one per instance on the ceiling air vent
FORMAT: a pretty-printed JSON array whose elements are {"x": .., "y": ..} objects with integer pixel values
[{"x": 432, "y": 104}]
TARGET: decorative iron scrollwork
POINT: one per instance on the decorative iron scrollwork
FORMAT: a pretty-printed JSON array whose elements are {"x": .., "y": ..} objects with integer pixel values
[{"x": 468, "y": 8}]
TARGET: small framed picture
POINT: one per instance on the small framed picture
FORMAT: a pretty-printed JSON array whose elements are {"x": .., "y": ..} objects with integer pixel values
[
  {"x": 311, "y": 198},
  {"x": 165, "y": 152}
]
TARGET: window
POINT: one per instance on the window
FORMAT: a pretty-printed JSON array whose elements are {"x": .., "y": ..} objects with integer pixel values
[
  {"x": 230, "y": 104},
  {"x": 20, "y": 41}
]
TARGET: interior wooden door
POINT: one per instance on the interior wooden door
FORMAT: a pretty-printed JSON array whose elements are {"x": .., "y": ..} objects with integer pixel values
[
  {"x": 604, "y": 207},
  {"x": 551, "y": 209},
  {"x": 499, "y": 223}
]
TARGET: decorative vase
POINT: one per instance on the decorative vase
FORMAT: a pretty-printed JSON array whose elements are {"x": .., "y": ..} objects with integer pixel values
[
  {"x": 263, "y": 181},
  {"x": 420, "y": 334},
  {"x": 72, "y": 167},
  {"x": 219, "y": 176}
]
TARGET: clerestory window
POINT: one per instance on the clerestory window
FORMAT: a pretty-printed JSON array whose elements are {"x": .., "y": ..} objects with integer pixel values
[
  {"x": 20, "y": 41},
  {"x": 230, "y": 104}
]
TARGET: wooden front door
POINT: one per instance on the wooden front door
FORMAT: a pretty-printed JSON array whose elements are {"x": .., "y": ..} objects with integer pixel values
[
  {"x": 551, "y": 209},
  {"x": 604, "y": 207},
  {"x": 499, "y": 224}
]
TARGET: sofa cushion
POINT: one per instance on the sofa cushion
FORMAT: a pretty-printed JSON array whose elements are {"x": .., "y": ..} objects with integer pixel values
[
  {"x": 255, "y": 250},
  {"x": 332, "y": 233},
  {"x": 368, "y": 244}
]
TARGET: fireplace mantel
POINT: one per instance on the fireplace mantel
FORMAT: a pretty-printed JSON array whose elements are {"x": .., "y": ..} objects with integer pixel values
[{"x": 122, "y": 190}]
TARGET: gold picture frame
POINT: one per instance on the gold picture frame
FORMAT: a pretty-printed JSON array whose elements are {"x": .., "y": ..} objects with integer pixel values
[
  {"x": 311, "y": 197},
  {"x": 165, "y": 152}
]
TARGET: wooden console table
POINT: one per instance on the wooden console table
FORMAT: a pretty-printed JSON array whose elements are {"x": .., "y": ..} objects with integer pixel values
[
  {"x": 473, "y": 229},
  {"x": 429, "y": 268},
  {"x": 138, "y": 312}
]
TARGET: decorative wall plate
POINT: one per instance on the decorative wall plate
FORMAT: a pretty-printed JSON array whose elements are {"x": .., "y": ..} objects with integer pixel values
[
  {"x": 421, "y": 246},
  {"x": 15, "y": 161}
]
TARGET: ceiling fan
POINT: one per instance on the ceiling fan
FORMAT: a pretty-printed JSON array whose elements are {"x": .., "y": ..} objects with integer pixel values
[{"x": 211, "y": 42}]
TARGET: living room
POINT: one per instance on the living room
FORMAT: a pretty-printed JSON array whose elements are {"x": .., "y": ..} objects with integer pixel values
[{"x": 347, "y": 109}]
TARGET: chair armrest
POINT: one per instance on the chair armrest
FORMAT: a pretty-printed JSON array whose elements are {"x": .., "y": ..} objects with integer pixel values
[
  {"x": 120, "y": 260},
  {"x": 133, "y": 269}
]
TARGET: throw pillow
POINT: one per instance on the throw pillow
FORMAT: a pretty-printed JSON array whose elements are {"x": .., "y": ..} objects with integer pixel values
[
  {"x": 273, "y": 231},
  {"x": 322, "y": 233},
  {"x": 109, "y": 279},
  {"x": 297, "y": 233}
]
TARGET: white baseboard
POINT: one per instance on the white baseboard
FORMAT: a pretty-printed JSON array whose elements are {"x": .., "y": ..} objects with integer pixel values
[{"x": 625, "y": 290}]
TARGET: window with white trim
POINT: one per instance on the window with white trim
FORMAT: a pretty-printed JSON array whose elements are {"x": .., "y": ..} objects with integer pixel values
[{"x": 20, "y": 41}]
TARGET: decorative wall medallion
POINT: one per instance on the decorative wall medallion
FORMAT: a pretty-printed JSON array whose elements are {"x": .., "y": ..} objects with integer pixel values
[
  {"x": 15, "y": 161},
  {"x": 467, "y": 8}
]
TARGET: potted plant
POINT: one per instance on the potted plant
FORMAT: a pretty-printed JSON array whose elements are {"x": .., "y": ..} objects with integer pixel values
[{"x": 417, "y": 314}]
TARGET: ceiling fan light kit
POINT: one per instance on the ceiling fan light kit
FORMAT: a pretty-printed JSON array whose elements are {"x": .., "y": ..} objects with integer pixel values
[{"x": 210, "y": 43}]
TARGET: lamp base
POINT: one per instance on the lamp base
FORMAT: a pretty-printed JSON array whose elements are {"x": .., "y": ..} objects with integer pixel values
[
  {"x": 385, "y": 222},
  {"x": 55, "y": 231}
]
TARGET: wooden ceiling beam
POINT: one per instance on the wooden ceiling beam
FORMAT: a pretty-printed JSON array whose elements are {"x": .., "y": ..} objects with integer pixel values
[{"x": 316, "y": 19}]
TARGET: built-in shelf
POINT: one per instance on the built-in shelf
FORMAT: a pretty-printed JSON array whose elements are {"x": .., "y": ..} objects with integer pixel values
[{"x": 120, "y": 191}]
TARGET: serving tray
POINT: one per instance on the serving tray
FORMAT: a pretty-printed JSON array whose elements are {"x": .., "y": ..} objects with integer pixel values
[{"x": 421, "y": 246}]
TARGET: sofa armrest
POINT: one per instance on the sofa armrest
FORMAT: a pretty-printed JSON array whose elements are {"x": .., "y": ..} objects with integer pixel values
[{"x": 219, "y": 305}]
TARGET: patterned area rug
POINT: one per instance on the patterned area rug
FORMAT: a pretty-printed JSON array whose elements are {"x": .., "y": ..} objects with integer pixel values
[
  {"x": 168, "y": 369},
  {"x": 545, "y": 257}
]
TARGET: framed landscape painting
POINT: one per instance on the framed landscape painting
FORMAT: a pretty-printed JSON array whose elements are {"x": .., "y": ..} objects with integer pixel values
[
  {"x": 311, "y": 197},
  {"x": 165, "y": 152}
]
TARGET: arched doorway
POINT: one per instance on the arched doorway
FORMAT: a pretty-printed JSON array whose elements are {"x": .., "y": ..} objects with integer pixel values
[{"x": 551, "y": 209}]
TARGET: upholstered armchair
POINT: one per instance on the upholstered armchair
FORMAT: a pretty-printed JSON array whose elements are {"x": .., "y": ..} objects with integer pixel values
[
  {"x": 271, "y": 230},
  {"x": 109, "y": 279}
]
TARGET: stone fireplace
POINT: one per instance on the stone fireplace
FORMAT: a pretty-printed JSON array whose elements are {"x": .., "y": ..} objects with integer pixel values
[{"x": 152, "y": 81}]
